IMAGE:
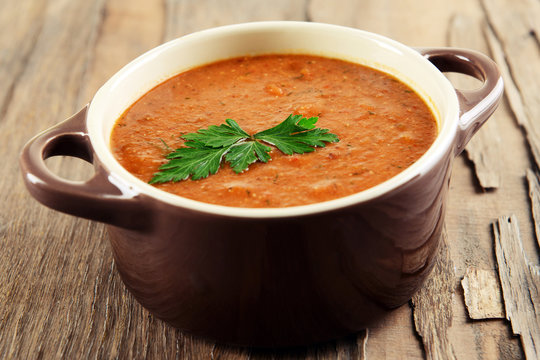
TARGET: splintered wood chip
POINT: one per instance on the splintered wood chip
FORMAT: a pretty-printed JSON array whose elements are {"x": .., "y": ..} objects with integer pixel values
[
  {"x": 534, "y": 195},
  {"x": 482, "y": 294},
  {"x": 432, "y": 306},
  {"x": 520, "y": 283}
]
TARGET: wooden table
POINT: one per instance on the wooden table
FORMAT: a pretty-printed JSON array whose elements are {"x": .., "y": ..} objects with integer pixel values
[{"x": 60, "y": 295}]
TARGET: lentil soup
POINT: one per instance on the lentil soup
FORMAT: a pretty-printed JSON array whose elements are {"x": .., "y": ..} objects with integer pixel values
[{"x": 382, "y": 124}]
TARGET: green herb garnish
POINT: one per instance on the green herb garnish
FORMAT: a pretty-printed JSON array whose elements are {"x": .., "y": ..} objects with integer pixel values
[{"x": 205, "y": 149}]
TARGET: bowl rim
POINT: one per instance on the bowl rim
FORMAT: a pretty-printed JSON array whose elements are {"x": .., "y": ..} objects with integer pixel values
[{"x": 130, "y": 184}]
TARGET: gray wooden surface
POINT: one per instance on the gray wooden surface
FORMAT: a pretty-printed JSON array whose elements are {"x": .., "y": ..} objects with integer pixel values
[{"x": 60, "y": 294}]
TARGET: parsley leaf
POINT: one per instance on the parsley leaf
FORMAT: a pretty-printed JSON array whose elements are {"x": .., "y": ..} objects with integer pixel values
[
  {"x": 296, "y": 135},
  {"x": 218, "y": 136},
  {"x": 246, "y": 153},
  {"x": 196, "y": 159},
  {"x": 205, "y": 149}
]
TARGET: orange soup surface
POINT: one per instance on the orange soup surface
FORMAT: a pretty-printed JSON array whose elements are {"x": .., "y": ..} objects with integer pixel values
[{"x": 382, "y": 124}]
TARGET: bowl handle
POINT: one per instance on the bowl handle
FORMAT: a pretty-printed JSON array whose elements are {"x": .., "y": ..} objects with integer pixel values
[
  {"x": 476, "y": 106},
  {"x": 100, "y": 198}
]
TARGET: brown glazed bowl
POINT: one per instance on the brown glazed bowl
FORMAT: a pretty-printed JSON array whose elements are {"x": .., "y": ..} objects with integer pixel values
[{"x": 269, "y": 277}]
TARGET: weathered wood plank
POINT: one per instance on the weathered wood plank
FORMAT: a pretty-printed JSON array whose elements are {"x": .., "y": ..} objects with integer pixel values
[
  {"x": 20, "y": 25},
  {"x": 470, "y": 213},
  {"x": 484, "y": 148},
  {"x": 432, "y": 307},
  {"x": 482, "y": 339},
  {"x": 128, "y": 29},
  {"x": 482, "y": 294},
  {"x": 392, "y": 18},
  {"x": 511, "y": 91},
  {"x": 534, "y": 195},
  {"x": 520, "y": 283},
  {"x": 39, "y": 271},
  {"x": 515, "y": 28},
  {"x": 396, "y": 329},
  {"x": 185, "y": 16}
]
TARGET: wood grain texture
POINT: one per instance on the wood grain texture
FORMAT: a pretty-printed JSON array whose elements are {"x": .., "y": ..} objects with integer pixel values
[
  {"x": 433, "y": 311},
  {"x": 391, "y": 18},
  {"x": 485, "y": 147},
  {"x": 482, "y": 294},
  {"x": 511, "y": 91},
  {"x": 38, "y": 266},
  {"x": 471, "y": 210},
  {"x": 515, "y": 27},
  {"x": 19, "y": 29},
  {"x": 520, "y": 281},
  {"x": 127, "y": 30},
  {"x": 185, "y": 16},
  {"x": 534, "y": 195}
]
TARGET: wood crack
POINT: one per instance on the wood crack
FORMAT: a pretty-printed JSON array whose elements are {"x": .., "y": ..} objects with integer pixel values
[{"x": 307, "y": 11}]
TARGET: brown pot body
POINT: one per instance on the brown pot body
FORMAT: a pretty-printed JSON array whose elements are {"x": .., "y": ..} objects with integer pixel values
[{"x": 285, "y": 281}]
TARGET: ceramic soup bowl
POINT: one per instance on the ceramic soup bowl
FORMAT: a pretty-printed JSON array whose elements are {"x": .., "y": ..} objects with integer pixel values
[{"x": 270, "y": 276}]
